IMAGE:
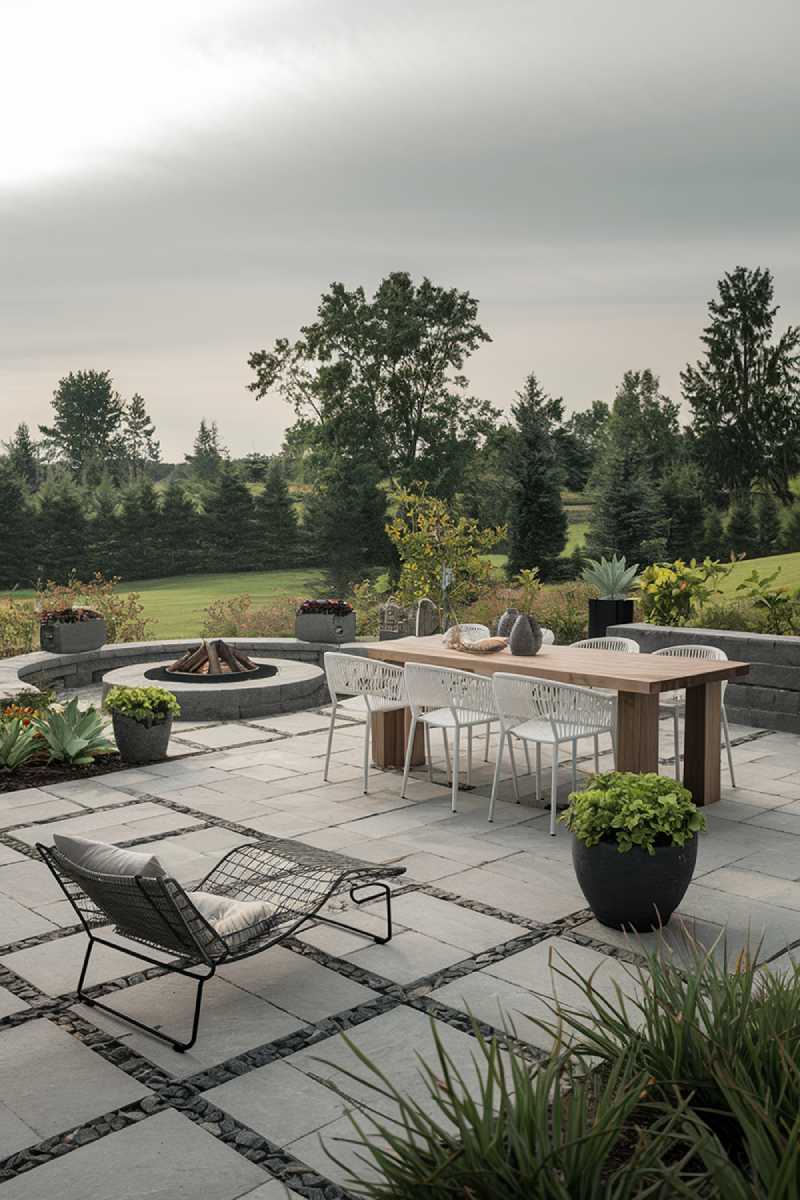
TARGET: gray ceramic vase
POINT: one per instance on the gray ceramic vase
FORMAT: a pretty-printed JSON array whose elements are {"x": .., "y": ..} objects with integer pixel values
[
  {"x": 506, "y": 622},
  {"x": 526, "y": 636}
]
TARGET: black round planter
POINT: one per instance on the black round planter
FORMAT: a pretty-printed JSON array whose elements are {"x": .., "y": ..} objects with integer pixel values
[
  {"x": 138, "y": 743},
  {"x": 604, "y": 612},
  {"x": 634, "y": 890}
]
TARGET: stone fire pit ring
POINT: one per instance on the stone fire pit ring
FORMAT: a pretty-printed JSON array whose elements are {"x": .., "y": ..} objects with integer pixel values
[{"x": 290, "y": 686}]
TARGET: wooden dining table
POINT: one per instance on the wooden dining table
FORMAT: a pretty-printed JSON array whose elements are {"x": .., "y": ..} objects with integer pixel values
[{"x": 639, "y": 680}]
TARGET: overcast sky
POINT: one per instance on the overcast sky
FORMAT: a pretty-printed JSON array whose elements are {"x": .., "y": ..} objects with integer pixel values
[{"x": 181, "y": 179}]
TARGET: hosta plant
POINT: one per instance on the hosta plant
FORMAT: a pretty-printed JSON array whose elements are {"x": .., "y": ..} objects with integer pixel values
[
  {"x": 74, "y": 736},
  {"x": 633, "y": 810},
  {"x": 611, "y": 576},
  {"x": 147, "y": 705},
  {"x": 18, "y": 742}
]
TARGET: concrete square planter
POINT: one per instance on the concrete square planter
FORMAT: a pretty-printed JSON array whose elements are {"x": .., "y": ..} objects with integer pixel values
[
  {"x": 76, "y": 637},
  {"x": 325, "y": 627}
]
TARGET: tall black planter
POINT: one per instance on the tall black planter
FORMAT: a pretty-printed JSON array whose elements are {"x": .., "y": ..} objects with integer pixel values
[
  {"x": 634, "y": 890},
  {"x": 603, "y": 613}
]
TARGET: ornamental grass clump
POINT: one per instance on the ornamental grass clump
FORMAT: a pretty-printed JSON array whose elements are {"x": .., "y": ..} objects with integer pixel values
[
  {"x": 147, "y": 705},
  {"x": 633, "y": 810}
]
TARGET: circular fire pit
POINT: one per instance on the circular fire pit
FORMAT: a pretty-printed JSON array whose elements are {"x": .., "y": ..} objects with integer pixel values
[{"x": 274, "y": 686}]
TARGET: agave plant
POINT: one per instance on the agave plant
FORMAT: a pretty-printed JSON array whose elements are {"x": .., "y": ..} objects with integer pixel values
[
  {"x": 612, "y": 576},
  {"x": 18, "y": 742},
  {"x": 74, "y": 736}
]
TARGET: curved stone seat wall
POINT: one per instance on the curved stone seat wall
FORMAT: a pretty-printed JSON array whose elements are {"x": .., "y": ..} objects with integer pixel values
[
  {"x": 44, "y": 670},
  {"x": 768, "y": 697}
]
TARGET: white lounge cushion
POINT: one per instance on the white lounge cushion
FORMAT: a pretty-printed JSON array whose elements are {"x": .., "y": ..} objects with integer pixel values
[
  {"x": 104, "y": 859},
  {"x": 227, "y": 916}
]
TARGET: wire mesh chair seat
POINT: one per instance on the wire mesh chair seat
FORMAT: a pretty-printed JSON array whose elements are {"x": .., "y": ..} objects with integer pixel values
[
  {"x": 673, "y": 703},
  {"x": 294, "y": 882},
  {"x": 450, "y": 700},
  {"x": 375, "y": 686},
  {"x": 545, "y": 712}
]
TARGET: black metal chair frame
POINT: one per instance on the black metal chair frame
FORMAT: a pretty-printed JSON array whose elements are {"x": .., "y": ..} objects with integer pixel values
[{"x": 156, "y": 911}]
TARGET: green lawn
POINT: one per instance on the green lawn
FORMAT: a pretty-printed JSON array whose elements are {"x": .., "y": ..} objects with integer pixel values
[{"x": 788, "y": 563}]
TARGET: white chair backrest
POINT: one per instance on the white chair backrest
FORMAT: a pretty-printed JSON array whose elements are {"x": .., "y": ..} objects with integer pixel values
[
  {"x": 351, "y": 675},
  {"x": 474, "y": 631},
  {"x": 621, "y": 644},
  {"x": 548, "y": 637},
  {"x": 569, "y": 709},
  {"x": 692, "y": 650},
  {"x": 441, "y": 687}
]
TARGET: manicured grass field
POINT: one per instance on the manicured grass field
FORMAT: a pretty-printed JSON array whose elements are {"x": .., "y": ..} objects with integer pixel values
[{"x": 788, "y": 578}]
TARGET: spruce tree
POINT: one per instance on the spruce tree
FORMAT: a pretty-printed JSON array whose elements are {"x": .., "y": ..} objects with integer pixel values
[
  {"x": 345, "y": 522},
  {"x": 741, "y": 531},
  {"x": 713, "y": 543},
  {"x": 680, "y": 491},
  {"x": 22, "y": 455},
  {"x": 537, "y": 531},
  {"x": 230, "y": 534},
  {"x": 103, "y": 549},
  {"x": 138, "y": 436},
  {"x": 62, "y": 529},
  {"x": 208, "y": 454},
  {"x": 768, "y": 518},
  {"x": 17, "y": 541},
  {"x": 790, "y": 537},
  {"x": 137, "y": 532},
  {"x": 179, "y": 532},
  {"x": 276, "y": 521}
]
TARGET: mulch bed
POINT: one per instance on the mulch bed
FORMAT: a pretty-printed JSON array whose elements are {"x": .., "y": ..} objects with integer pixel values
[{"x": 34, "y": 775}]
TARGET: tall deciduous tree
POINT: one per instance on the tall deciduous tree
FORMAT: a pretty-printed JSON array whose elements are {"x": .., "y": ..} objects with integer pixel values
[
  {"x": 382, "y": 379},
  {"x": 537, "y": 521},
  {"x": 85, "y": 433},
  {"x": 208, "y": 453},
  {"x": 138, "y": 436},
  {"x": 22, "y": 456},
  {"x": 276, "y": 521},
  {"x": 745, "y": 392}
]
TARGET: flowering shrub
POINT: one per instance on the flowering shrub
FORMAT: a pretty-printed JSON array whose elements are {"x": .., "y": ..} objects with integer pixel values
[
  {"x": 17, "y": 625},
  {"x": 123, "y": 615},
  {"x": 671, "y": 593},
  {"x": 442, "y": 556},
  {"x": 366, "y": 601},
  {"x": 235, "y": 616}
]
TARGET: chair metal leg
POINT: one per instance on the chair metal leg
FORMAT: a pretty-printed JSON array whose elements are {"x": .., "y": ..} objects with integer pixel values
[
  {"x": 496, "y": 778},
  {"x": 596, "y": 754},
  {"x": 367, "y": 731},
  {"x": 383, "y": 890},
  {"x": 330, "y": 742},
  {"x": 676, "y": 734},
  {"x": 199, "y": 980},
  {"x": 469, "y": 755},
  {"x": 428, "y": 755},
  {"x": 554, "y": 791},
  {"x": 613, "y": 733},
  {"x": 574, "y": 764},
  {"x": 527, "y": 754},
  {"x": 409, "y": 750},
  {"x": 447, "y": 762},
  {"x": 486, "y": 747},
  {"x": 456, "y": 768},
  {"x": 538, "y": 769},
  {"x": 727, "y": 733},
  {"x": 514, "y": 778}
]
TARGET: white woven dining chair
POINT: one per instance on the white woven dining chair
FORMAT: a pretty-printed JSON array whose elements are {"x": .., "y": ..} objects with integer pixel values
[
  {"x": 441, "y": 698},
  {"x": 620, "y": 645},
  {"x": 544, "y": 712},
  {"x": 675, "y": 702},
  {"x": 548, "y": 637},
  {"x": 374, "y": 686}
]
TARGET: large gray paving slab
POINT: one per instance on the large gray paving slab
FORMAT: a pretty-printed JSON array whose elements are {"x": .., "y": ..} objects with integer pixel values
[
  {"x": 53, "y": 967},
  {"x": 221, "y": 737},
  {"x": 297, "y": 984},
  {"x": 409, "y": 955},
  {"x": 331, "y": 1151},
  {"x": 51, "y": 1081},
  {"x": 18, "y": 922},
  {"x": 451, "y": 923},
  {"x": 26, "y": 813},
  {"x": 30, "y": 883},
  {"x": 278, "y": 1101},
  {"x": 165, "y": 1157},
  {"x": 536, "y": 898}
]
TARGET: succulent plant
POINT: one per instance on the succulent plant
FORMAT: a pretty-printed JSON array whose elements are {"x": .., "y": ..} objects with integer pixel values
[{"x": 611, "y": 575}]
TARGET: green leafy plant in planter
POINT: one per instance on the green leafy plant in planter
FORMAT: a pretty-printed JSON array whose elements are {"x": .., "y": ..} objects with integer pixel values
[
  {"x": 613, "y": 579},
  {"x": 19, "y": 742},
  {"x": 634, "y": 847},
  {"x": 142, "y": 719},
  {"x": 73, "y": 736}
]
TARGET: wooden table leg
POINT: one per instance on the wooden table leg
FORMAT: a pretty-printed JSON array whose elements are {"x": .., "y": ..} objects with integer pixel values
[
  {"x": 702, "y": 742},
  {"x": 637, "y": 732},
  {"x": 389, "y": 735}
]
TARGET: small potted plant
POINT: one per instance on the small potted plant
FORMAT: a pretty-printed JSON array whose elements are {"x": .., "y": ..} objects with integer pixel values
[
  {"x": 71, "y": 630},
  {"x": 634, "y": 847},
  {"x": 613, "y": 579},
  {"x": 142, "y": 719},
  {"x": 325, "y": 621}
]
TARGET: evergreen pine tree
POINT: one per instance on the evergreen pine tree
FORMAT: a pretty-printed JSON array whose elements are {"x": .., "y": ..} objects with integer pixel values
[
  {"x": 790, "y": 537},
  {"x": 137, "y": 532},
  {"x": 179, "y": 532},
  {"x": 62, "y": 525},
  {"x": 276, "y": 521},
  {"x": 680, "y": 491},
  {"x": 103, "y": 549},
  {"x": 768, "y": 517},
  {"x": 345, "y": 521},
  {"x": 138, "y": 436},
  {"x": 208, "y": 453},
  {"x": 713, "y": 543},
  {"x": 17, "y": 541},
  {"x": 741, "y": 531},
  {"x": 229, "y": 528},
  {"x": 537, "y": 521},
  {"x": 22, "y": 455}
]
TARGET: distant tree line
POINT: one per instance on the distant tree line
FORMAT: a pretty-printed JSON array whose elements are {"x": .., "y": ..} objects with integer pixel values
[{"x": 383, "y": 405}]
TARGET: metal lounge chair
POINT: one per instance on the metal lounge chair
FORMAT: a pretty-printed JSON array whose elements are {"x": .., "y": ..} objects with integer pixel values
[{"x": 295, "y": 881}]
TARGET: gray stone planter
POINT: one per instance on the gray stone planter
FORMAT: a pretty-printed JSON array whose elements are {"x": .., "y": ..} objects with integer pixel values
[
  {"x": 139, "y": 743},
  {"x": 324, "y": 627},
  {"x": 76, "y": 637}
]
